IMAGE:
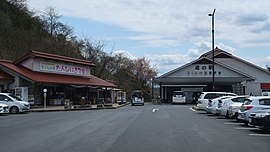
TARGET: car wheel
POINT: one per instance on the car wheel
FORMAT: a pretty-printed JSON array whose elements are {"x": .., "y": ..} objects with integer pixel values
[
  {"x": 227, "y": 115},
  {"x": 264, "y": 128},
  {"x": 14, "y": 110}
]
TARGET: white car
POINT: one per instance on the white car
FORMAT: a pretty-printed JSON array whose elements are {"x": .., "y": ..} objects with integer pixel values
[
  {"x": 212, "y": 104},
  {"x": 233, "y": 110},
  {"x": 3, "y": 108},
  {"x": 14, "y": 103},
  {"x": 179, "y": 97},
  {"x": 223, "y": 106},
  {"x": 206, "y": 96},
  {"x": 252, "y": 104}
]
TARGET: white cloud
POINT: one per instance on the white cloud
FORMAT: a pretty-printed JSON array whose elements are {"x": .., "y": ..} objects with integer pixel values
[
  {"x": 203, "y": 46},
  {"x": 177, "y": 19},
  {"x": 169, "y": 61},
  {"x": 155, "y": 40},
  {"x": 171, "y": 23}
]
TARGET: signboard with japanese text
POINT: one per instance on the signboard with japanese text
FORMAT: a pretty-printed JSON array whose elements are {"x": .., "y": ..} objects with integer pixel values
[
  {"x": 203, "y": 70},
  {"x": 62, "y": 68}
]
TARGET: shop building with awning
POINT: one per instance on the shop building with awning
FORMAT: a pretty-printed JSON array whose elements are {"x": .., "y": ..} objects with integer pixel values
[
  {"x": 64, "y": 78},
  {"x": 232, "y": 74}
]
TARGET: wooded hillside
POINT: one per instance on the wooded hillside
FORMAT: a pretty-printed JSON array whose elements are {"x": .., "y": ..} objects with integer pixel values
[{"x": 22, "y": 31}]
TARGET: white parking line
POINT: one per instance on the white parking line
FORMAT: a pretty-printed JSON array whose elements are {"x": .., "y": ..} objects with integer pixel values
[
  {"x": 246, "y": 128},
  {"x": 192, "y": 109},
  {"x": 260, "y": 135},
  {"x": 233, "y": 123},
  {"x": 220, "y": 118},
  {"x": 154, "y": 110}
]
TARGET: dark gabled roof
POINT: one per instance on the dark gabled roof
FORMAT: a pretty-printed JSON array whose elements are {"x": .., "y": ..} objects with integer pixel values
[
  {"x": 203, "y": 61},
  {"x": 218, "y": 53},
  {"x": 34, "y": 54}
]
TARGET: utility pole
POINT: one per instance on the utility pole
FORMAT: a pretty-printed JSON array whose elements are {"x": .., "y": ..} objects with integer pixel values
[{"x": 213, "y": 48}]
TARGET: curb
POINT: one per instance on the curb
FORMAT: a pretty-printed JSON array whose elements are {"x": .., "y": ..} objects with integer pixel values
[{"x": 77, "y": 109}]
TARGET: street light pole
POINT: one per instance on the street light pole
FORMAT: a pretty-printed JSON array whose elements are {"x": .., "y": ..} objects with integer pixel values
[{"x": 213, "y": 47}]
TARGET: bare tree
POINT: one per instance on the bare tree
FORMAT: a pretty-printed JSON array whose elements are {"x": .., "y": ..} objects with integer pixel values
[
  {"x": 50, "y": 18},
  {"x": 143, "y": 71},
  {"x": 52, "y": 24}
]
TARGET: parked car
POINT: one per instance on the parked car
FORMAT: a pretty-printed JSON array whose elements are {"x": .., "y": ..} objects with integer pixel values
[
  {"x": 260, "y": 119},
  {"x": 137, "y": 98},
  {"x": 179, "y": 97},
  {"x": 212, "y": 104},
  {"x": 15, "y": 104},
  {"x": 3, "y": 108},
  {"x": 265, "y": 93},
  {"x": 251, "y": 105},
  {"x": 206, "y": 96},
  {"x": 223, "y": 106}
]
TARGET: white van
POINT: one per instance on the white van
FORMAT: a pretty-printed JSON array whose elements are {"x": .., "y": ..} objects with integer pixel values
[
  {"x": 15, "y": 104},
  {"x": 265, "y": 93},
  {"x": 179, "y": 97}
]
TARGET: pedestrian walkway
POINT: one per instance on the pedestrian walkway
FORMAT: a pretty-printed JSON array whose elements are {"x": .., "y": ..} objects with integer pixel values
[{"x": 75, "y": 107}]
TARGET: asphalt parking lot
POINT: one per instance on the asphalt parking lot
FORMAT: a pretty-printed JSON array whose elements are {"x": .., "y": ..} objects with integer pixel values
[
  {"x": 234, "y": 124},
  {"x": 151, "y": 128}
]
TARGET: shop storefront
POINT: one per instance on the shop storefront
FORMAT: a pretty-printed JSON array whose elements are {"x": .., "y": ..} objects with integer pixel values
[
  {"x": 64, "y": 78},
  {"x": 232, "y": 74}
]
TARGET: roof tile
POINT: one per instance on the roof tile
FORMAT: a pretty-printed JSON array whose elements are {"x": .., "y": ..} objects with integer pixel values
[{"x": 55, "y": 78}]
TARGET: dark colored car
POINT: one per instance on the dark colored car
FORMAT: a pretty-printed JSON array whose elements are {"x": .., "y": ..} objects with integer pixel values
[
  {"x": 137, "y": 98},
  {"x": 195, "y": 96},
  {"x": 260, "y": 119}
]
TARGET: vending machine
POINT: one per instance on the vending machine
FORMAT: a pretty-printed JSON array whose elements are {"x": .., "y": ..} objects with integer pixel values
[{"x": 22, "y": 92}]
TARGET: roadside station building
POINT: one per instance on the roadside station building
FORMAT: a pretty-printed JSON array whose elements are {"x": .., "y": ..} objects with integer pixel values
[
  {"x": 64, "y": 79},
  {"x": 232, "y": 74}
]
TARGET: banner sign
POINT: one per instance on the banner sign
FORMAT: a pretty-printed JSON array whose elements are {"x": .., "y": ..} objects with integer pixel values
[{"x": 62, "y": 68}]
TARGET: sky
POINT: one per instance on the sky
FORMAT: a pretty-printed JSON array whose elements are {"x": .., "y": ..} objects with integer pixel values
[{"x": 169, "y": 33}]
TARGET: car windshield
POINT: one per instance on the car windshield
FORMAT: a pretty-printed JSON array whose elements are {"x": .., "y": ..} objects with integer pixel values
[
  {"x": 137, "y": 94},
  {"x": 239, "y": 100},
  {"x": 212, "y": 95},
  {"x": 178, "y": 93},
  {"x": 15, "y": 97}
]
